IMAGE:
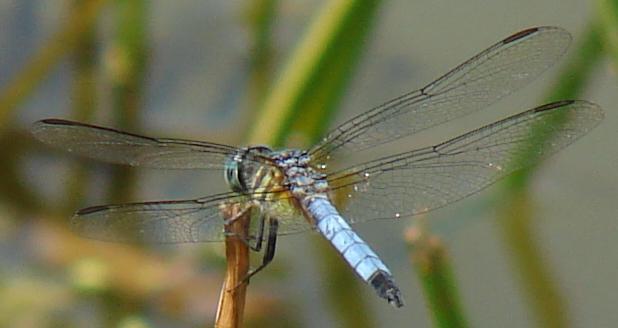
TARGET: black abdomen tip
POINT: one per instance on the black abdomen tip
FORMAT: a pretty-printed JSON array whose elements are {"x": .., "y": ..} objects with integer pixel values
[{"x": 384, "y": 285}]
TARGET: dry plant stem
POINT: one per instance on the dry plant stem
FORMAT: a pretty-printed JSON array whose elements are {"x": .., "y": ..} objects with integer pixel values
[{"x": 232, "y": 298}]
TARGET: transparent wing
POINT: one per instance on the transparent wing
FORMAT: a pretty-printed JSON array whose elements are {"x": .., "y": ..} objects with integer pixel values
[
  {"x": 119, "y": 147},
  {"x": 418, "y": 181},
  {"x": 181, "y": 221},
  {"x": 178, "y": 221},
  {"x": 485, "y": 78}
]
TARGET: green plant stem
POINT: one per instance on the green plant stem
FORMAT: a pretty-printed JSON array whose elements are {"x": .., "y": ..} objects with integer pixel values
[
  {"x": 608, "y": 14},
  {"x": 431, "y": 262},
  {"x": 128, "y": 62},
  {"x": 540, "y": 287},
  {"x": 344, "y": 289},
  {"x": 84, "y": 104},
  {"x": 261, "y": 17},
  {"x": 316, "y": 74},
  {"x": 576, "y": 74},
  {"x": 79, "y": 22},
  {"x": 126, "y": 65},
  {"x": 302, "y": 101},
  {"x": 84, "y": 59}
]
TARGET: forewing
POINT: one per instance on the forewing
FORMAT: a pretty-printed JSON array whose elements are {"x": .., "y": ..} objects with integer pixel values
[
  {"x": 485, "y": 78},
  {"x": 119, "y": 147},
  {"x": 418, "y": 181}
]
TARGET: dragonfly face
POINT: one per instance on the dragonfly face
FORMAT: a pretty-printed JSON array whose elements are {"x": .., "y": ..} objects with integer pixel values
[{"x": 296, "y": 191}]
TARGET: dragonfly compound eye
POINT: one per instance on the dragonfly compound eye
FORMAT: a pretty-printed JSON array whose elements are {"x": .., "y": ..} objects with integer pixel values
[{"x": 231, "y": 175}]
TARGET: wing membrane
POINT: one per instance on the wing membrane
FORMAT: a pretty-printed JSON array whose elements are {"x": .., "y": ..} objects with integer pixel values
[
  {"x": 180, "y": 221},
  {"x": 418, "y": 181},
  {"x": 485, "y": 78},
  {"x": 119, "y": 147}
]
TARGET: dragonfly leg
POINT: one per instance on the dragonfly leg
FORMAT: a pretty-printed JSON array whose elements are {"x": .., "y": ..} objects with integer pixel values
[
  {"x": 260, "y": 230},
  {"x": 259, "y": 237},
  {"x": 269, "y": 253}
]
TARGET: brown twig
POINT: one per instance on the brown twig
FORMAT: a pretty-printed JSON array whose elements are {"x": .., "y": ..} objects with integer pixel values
[{"x": 232, "y": 298}]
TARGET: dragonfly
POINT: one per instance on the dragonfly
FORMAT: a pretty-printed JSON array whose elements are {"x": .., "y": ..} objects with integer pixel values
[{"x": 294, "y": 190}]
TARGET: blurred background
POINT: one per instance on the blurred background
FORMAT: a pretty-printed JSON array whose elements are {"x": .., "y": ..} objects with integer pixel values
[{"x": 536, "y": 251}]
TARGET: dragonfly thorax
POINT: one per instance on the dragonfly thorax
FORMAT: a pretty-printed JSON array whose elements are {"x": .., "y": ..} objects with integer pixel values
[
  {"x": 259, "y": 168},
  {"x": 301, "y": 178}
]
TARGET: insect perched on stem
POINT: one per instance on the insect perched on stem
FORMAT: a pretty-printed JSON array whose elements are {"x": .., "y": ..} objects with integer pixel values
[{"x": 289, "y": 191}]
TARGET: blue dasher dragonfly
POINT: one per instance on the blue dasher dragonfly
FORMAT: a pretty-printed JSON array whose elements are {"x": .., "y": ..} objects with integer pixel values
[{"x": 290, "y": 191}]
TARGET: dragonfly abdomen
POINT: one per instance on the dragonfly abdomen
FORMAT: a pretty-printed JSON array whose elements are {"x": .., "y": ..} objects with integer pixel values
[{"x": 354, "y": 250}]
